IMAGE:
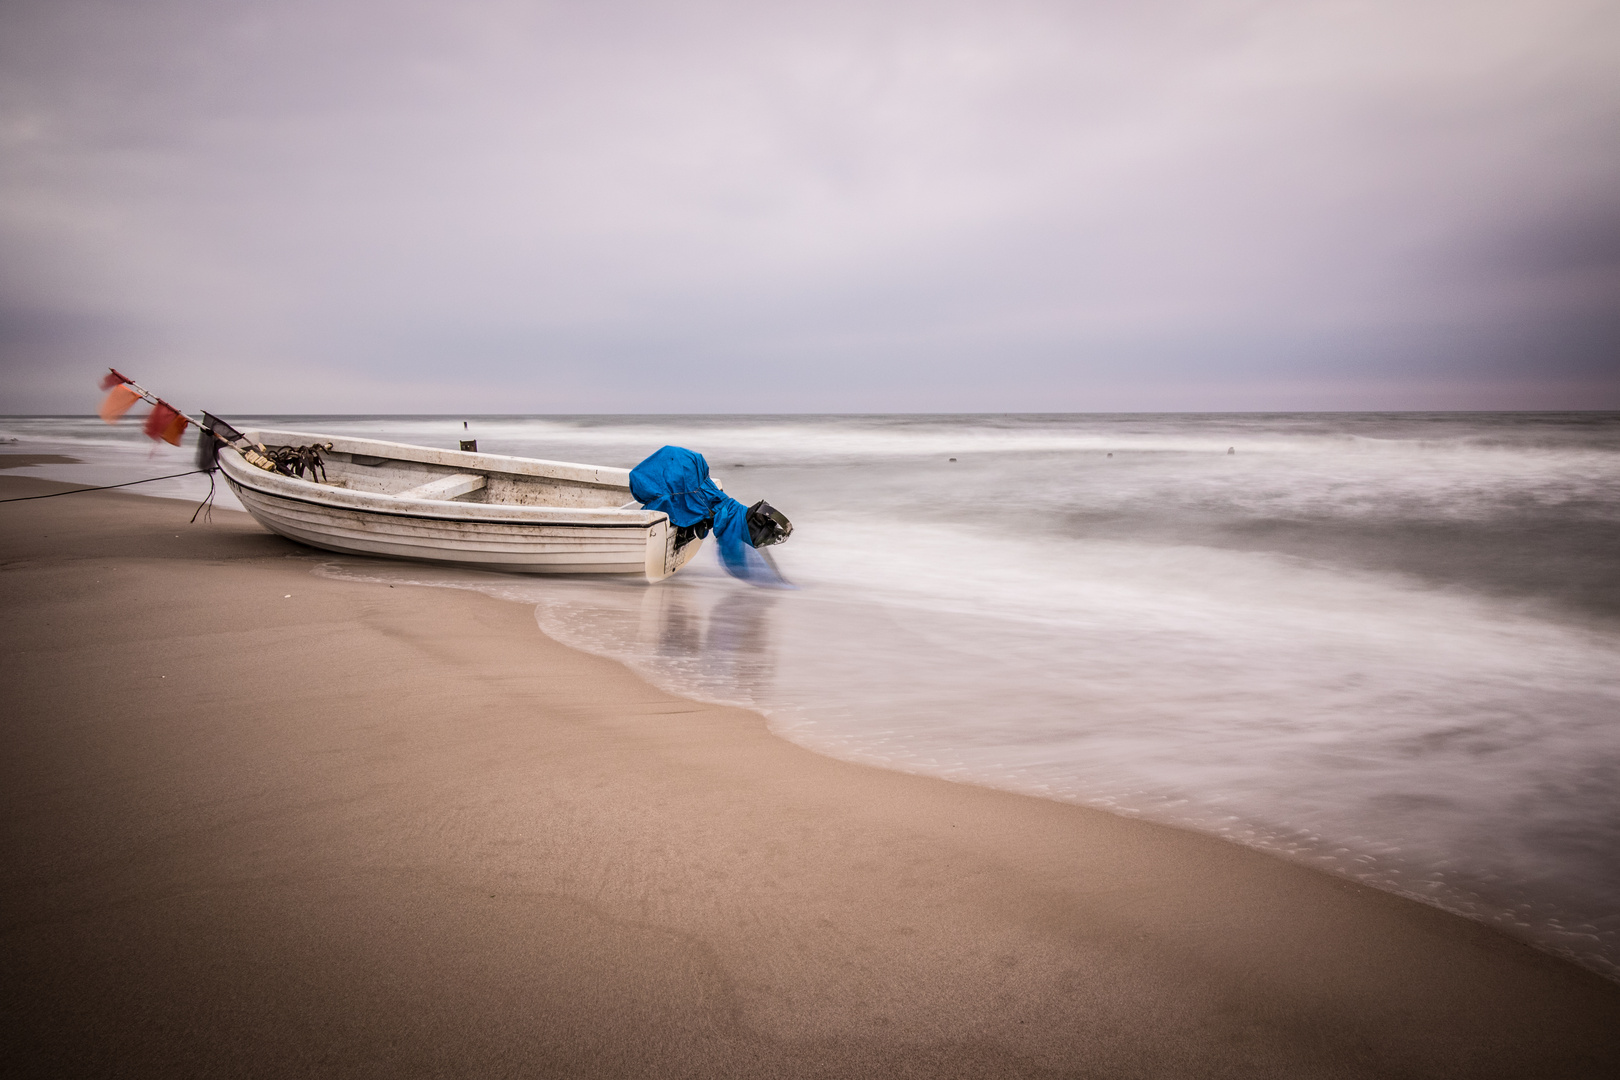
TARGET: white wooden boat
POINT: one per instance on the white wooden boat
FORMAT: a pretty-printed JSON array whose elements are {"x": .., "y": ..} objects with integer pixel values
[{"x": 450, "y": 506}]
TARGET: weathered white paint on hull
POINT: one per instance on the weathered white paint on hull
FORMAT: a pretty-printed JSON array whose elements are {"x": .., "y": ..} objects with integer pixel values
[
  {"x": 573, "y": 539},
  {"x": 518, "y": 548}
]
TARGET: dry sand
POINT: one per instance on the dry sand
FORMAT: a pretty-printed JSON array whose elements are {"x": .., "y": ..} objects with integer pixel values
[{"x": 370, "y": 831}]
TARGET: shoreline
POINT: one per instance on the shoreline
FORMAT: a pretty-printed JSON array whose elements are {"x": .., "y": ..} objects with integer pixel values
[
  {"x": 369, "y": 830},
  {"x": 1292, "y": 846}
]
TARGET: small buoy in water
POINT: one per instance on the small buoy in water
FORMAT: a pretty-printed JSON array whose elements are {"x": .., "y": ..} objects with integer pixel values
[
  {"x": 1231, "y": 449},
  {"x": 1110, "y": 455},
  {"x": 953, "y": 459},
  {"x": 464, "y": 425}
]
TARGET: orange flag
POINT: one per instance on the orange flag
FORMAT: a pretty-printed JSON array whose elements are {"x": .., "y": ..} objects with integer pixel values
[
  {"x": 176, "y": 430},
  {"x": 164, "y": 423},
  {"x": 118, "y": 402}
]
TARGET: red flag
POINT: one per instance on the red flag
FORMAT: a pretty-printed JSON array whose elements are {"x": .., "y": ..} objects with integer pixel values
[
  {"x": 114, "y": 379},
  {"x": 118, "y": 402},
  {"x": 163, "y": 422}
]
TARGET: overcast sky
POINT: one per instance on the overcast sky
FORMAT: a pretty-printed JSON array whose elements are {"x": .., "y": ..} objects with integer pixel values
[{"x": 514, "y": 206}]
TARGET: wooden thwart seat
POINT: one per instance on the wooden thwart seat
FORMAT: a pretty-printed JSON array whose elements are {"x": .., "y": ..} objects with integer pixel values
[{"x": 445, "y": 487}]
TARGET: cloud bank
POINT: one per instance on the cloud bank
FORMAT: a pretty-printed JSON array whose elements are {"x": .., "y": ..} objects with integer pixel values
[{"x": 503, "y": 206}]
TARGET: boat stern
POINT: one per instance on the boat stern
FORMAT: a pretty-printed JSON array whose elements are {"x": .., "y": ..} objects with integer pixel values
[{"x": 663, "y": 556}]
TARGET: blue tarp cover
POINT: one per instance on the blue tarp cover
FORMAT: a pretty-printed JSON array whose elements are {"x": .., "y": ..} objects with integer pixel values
[{"x": 676, "y": 481}]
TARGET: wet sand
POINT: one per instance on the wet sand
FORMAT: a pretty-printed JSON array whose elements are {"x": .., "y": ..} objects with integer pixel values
[
  {"x": 28, "y": 461},
  {"x": 260, "y": 823}
]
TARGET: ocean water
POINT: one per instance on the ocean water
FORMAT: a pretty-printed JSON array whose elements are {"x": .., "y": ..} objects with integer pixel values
[{"x": 1386, "y": 646}]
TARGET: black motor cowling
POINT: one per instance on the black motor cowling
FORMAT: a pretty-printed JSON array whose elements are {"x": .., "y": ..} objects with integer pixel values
[{"x": 767, "y": 525}]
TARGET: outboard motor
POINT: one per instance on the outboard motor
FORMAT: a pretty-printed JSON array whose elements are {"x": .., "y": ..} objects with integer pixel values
[
  {"x": 675, "y": 481},
  {"x": 767, "y": 525}
]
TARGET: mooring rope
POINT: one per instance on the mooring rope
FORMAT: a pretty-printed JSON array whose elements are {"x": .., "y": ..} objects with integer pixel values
[
  {"x": 105, "y": 487},
  {"x": 208, "y": 500}
]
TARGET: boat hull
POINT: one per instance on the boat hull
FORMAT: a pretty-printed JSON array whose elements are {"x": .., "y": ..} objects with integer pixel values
[{"x": 487, "y": 536}]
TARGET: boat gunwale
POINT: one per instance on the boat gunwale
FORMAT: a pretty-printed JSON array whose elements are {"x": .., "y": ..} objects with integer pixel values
[
  {"x": 238, "y": 473},
  {"x": 382, "y": 512},
  {"x": 606, "y": 476}
]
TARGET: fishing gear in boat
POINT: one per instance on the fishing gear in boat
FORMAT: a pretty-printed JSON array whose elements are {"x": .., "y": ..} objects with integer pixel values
[{"x": 286, "y": 460}]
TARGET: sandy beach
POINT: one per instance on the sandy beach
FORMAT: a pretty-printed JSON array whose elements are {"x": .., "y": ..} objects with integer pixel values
[{"x": 262, "y": 823}]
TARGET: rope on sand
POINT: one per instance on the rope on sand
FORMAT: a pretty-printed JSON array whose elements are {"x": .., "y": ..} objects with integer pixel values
[{"x": 105, "y": 487}]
